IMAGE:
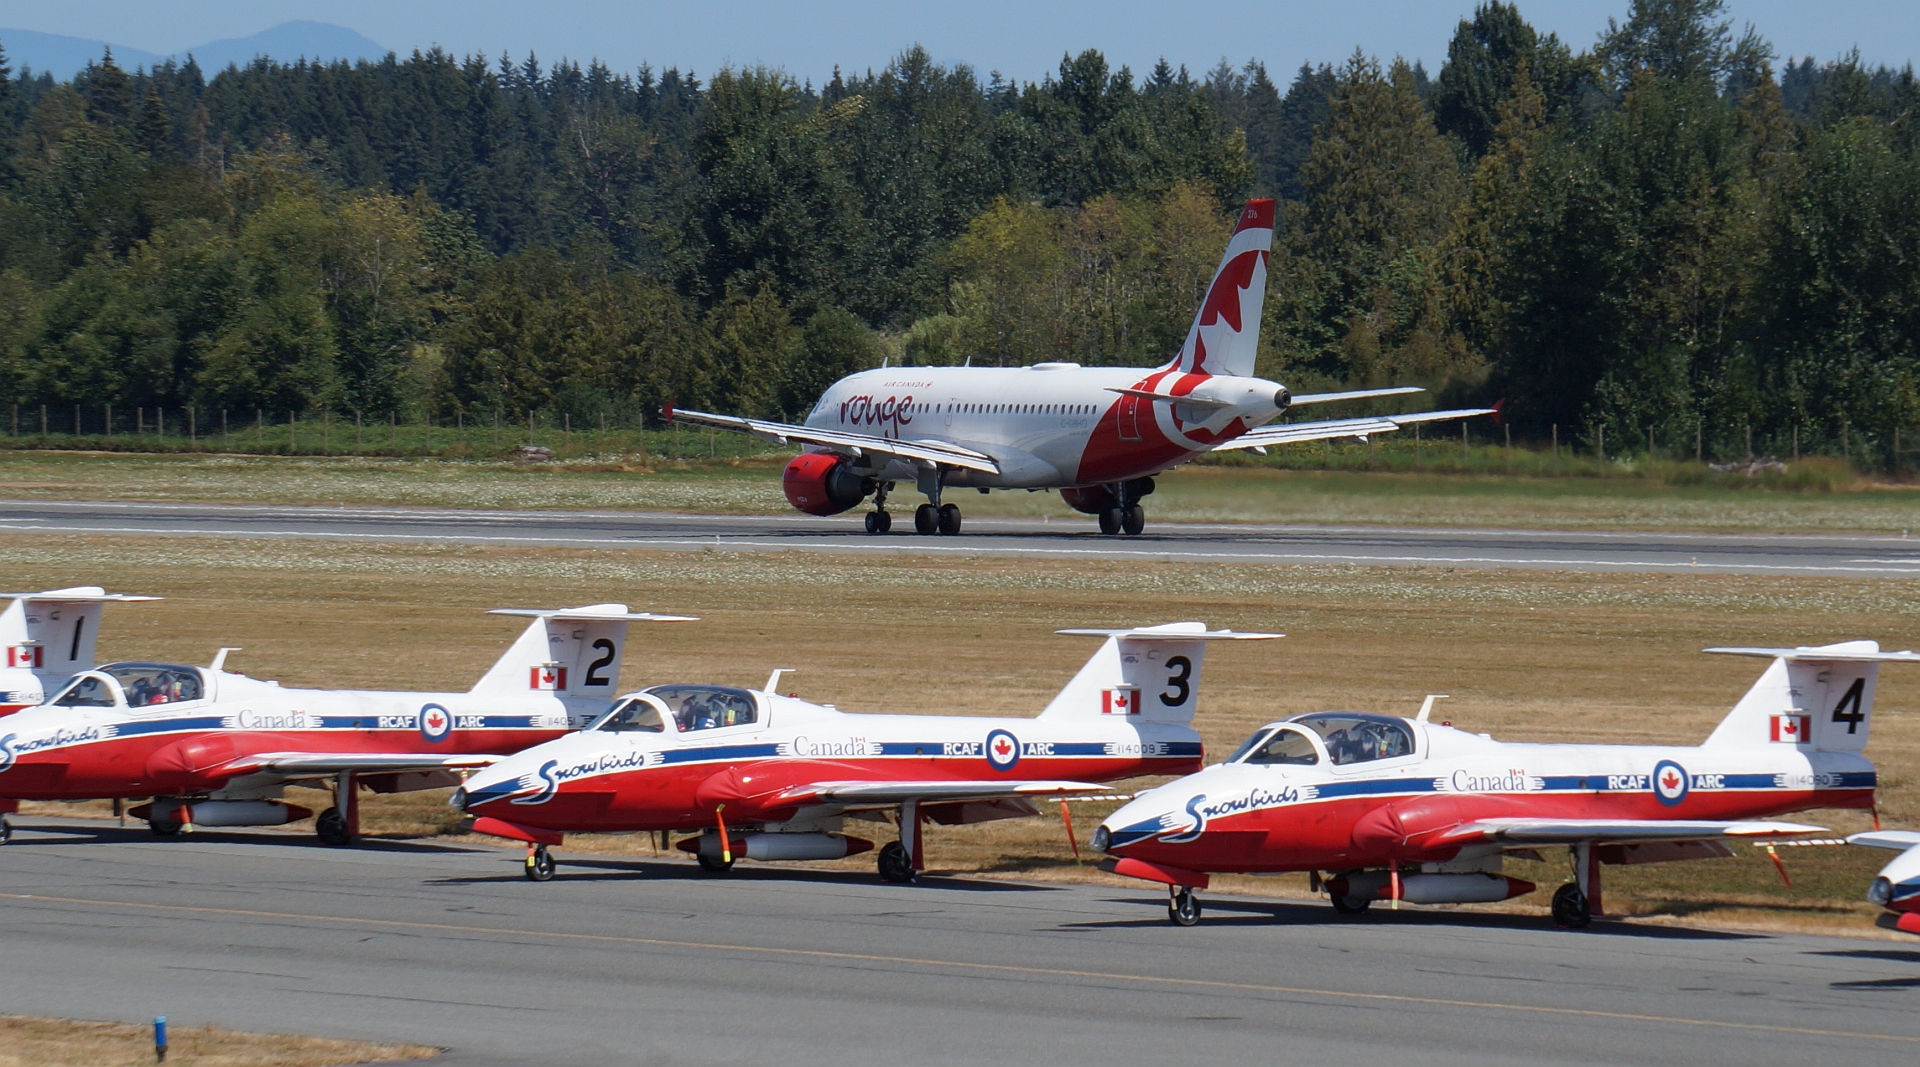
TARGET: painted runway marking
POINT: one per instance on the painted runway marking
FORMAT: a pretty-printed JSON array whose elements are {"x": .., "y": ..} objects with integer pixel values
[
  {"x": 720, "y": 543},
  {"x": 961, "y": 965}
]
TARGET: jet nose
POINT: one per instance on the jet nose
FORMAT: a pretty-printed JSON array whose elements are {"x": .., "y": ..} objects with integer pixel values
[
  {"x": 458, "y": 801},
  {"x": 1102, "y": 837}
]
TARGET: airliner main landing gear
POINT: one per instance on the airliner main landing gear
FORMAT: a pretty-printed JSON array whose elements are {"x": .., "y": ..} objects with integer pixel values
[
  {"x": 934, "y": 517},
  {"x": 1116, "y": 505}
]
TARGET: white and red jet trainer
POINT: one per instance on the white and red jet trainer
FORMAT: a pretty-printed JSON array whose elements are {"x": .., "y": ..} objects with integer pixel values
[
  {"x": 215, "y": 748},
  {"x": 1404, "y": 809},
  {"x": 1097, "y": 434},
  {"x": 1897, "y": 886},
  {"x": 49, "y": 637},
  {"x": 769, "y": 777}
]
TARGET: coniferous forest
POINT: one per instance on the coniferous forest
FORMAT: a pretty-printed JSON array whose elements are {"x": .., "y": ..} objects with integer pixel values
[{"x": 1670, "y": 230}]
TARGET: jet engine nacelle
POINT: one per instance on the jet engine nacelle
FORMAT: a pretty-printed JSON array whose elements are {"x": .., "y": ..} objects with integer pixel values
[
  {"x": 1469, "y": 888},
  {"x": 820, "y": 483}
]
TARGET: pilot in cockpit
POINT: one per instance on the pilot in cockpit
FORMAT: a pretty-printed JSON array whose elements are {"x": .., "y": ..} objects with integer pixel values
[{"x": 696, "y": 713}]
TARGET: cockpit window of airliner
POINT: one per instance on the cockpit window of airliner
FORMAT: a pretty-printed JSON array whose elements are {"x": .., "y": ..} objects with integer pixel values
[{"x": 1355, "y": 737}]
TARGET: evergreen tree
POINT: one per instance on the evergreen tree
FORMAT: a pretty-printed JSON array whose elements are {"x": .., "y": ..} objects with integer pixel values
[{"x": 1479, "y": 72}]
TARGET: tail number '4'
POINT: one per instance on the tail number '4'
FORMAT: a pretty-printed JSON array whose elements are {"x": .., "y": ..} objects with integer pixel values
[{"x": 1848, "y": 710}]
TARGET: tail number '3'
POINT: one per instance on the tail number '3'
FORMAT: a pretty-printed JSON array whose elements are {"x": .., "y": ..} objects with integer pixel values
[{"x": 1182, "y": 669}]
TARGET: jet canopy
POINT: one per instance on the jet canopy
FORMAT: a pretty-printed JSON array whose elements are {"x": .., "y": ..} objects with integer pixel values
[
  {"x": 132, "y": 685},
  {"x": 706, "y": 707},
  {"x": 1341, "y": 738}
]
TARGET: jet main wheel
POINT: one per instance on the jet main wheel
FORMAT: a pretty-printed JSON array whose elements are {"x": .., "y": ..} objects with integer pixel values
[
  {"x": 331, "y": 827},
  {"x": 949, "y": 519},
  {"x": 6, "y": 829},
  {"x": 1350, "y": 905},
  {"x": 1570, "y": 907},
  {"x": 713, "y": 864},
  {"x": 879, "y": 522},
  {"x": 1110, "y": 521},
  {"x": 895, "y": 865},
  {"x": 1183, "y": 909},
  {"x": 539, "y": 864},
  {"x": 926, "y": 519},
  {"x": 1133, "y": 520}
]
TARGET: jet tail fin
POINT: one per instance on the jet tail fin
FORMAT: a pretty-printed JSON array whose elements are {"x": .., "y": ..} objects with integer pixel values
[
  {"x": 1818, "y": 697},
  {"x": 1225, "y": 335},
  {"x": 1145, "y": 673},
  {"x": 567, "y": 651},
  {"x": 49, "y": 636}
]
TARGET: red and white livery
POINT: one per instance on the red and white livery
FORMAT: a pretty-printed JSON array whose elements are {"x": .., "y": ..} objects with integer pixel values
[
  {"x": 768, "y": 777},
  {"x": 1406, "y": 809},
  {"x": 49, "y": 637},
  {"x": 215, "y": 748},
  {"x": 1097, "y": 434},
  {"x": 1897, "y": 886}
]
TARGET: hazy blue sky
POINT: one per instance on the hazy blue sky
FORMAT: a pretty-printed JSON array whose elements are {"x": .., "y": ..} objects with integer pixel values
[{"x": 1023, "y": 38}]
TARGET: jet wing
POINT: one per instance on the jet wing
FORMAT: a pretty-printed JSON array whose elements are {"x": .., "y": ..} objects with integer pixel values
[
  {"x": 302, "y": 764},
  {"x": 858, "y": 444},
  {"x": 1898, "y": 840},
  {"x": 930, "y": 791},
  {"x": 1618, "y": 831},
  {"x": 1295, "y": 432}
]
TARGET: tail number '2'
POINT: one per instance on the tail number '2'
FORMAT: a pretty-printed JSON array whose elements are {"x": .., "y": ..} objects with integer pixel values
[
  {"x": 1182, "y": 669},
  {"x": 594, "y": 677}
]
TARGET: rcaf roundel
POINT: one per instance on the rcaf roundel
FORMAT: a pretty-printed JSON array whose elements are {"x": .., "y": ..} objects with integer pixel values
[
  {"x": 1003, "y": 750},
  {"x": 1669, "y": 782},
  {"x": 435, "y": 723}
]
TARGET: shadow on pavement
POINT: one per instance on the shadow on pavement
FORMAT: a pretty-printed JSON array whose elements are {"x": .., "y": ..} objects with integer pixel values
[
  {"x": 601, "y": 870},
  {"x": 1284, "y": 913}
]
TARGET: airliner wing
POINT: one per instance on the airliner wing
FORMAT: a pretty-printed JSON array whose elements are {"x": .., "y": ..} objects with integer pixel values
[
  {"x": 301, "y": 764},
  {"x": 929, "y": 791},
  {"x": 858, "y": 444},
  {"x": 1365, "y": 426},
  {"x": 1619, "y": 831}
]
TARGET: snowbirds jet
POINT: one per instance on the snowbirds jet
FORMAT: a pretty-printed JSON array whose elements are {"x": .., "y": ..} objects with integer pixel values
[
  {"x": 769, "y": 777},
  {"x": 49, "y": 638},
  {"x": 1897, "y": 886},
  {"x": 216, "y": 748},
  {"x": 1097, "y": 434},
  {"x": 1403, "y": 809}
]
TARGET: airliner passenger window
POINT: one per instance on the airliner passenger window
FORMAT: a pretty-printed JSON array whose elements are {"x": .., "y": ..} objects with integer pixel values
[
  {"x": 707, "y": 707},
  {"x": 1356, "y": 737}
]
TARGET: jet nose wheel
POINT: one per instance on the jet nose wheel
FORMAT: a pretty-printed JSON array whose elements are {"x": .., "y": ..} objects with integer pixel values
[
  {"x": 895, "y": 865},
  {"x": 6, "y": 829},
  {"x": 331, "y": 827},
  {"x": 926, "y": 519},
  {"x": 1570, "y": 907},
  {"x": 1183, "y": 909},
  {"x": 879, "y": 522},
  {"x": 949, "y": 519},
  {"x": 1133, "y": 520},
  {"x": 539, "y": 864}
]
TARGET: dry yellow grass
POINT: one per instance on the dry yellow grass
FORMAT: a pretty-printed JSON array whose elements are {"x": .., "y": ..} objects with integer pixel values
[
  {"x": 27, "y": 1041},
  {"x": 1526, "y": 656}
]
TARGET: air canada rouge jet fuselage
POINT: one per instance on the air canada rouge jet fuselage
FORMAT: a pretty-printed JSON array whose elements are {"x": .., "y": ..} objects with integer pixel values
[
  {"x": 1097, "y": 434},
  {"x": 1406, "y": 809}
]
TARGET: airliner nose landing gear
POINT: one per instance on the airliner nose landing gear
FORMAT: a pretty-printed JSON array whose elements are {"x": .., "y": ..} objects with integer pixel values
[{"x": 878, "y": 520}]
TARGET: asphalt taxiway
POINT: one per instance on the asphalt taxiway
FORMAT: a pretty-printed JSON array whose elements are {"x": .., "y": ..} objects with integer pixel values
[
  {"x": 620, "y": 961},
  {"x": 1809, "y": 555}
]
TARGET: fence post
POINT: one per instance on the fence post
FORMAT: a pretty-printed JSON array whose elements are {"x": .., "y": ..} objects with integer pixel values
[
  {"x": 193, "y": 427},
  {"x": 109, "y": 420},
  {"x": 426, "y": 434},
  {"x": 16, "y": 422},
  {"x": 356, "y": 433},
  {"x": 1649, "y": 444},
  {"x": 1846, "y": 446},
  {"x": 1507, "y": 428},
  {"x": 326, "y": 430},
  {"x": 1465, "y": 454},
  {"x": 1700, "y": 440},
  {"x": 139, "y": 421},
  {"x": 76, "y": 420},
  {"x": 393, "y": 430},
  {"x": 496, "y": 427},
  {"x": 566, "y": 428},
  {"x": 1796, "y": 442},
  {"x": 1556, "y": 443},
  {"x": 529, "y": 426},
  {"x": 226, "y": 438},
  {"x": 259, "y": 429},
  {"x": 1600, "y": 443},
  {"x": 1416, "y": 445},
  {"x": 293, "y": 431},
  {"x": 43, "y": 421},
  {"x": 1749, "y": 440}
]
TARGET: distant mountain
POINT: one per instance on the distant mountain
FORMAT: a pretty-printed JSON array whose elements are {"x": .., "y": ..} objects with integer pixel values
[{"x": 66, "y": 56}]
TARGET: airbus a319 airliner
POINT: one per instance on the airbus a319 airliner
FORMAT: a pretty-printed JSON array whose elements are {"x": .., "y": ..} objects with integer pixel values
[{"x": 1096, "y": 434}]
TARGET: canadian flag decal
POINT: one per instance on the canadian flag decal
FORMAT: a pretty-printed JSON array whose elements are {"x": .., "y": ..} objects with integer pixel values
[
  {"x": 1792, "y": 729},
  {"x": 1119, "y": 702},
  {"x": 548, "y": 676},
  {"x": 25, "y": 656}
]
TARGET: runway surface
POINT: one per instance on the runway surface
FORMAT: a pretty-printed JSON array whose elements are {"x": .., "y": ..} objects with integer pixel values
[
  {"x": 654, "y": 962},
  {"x": 1831, "y": 556}
]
